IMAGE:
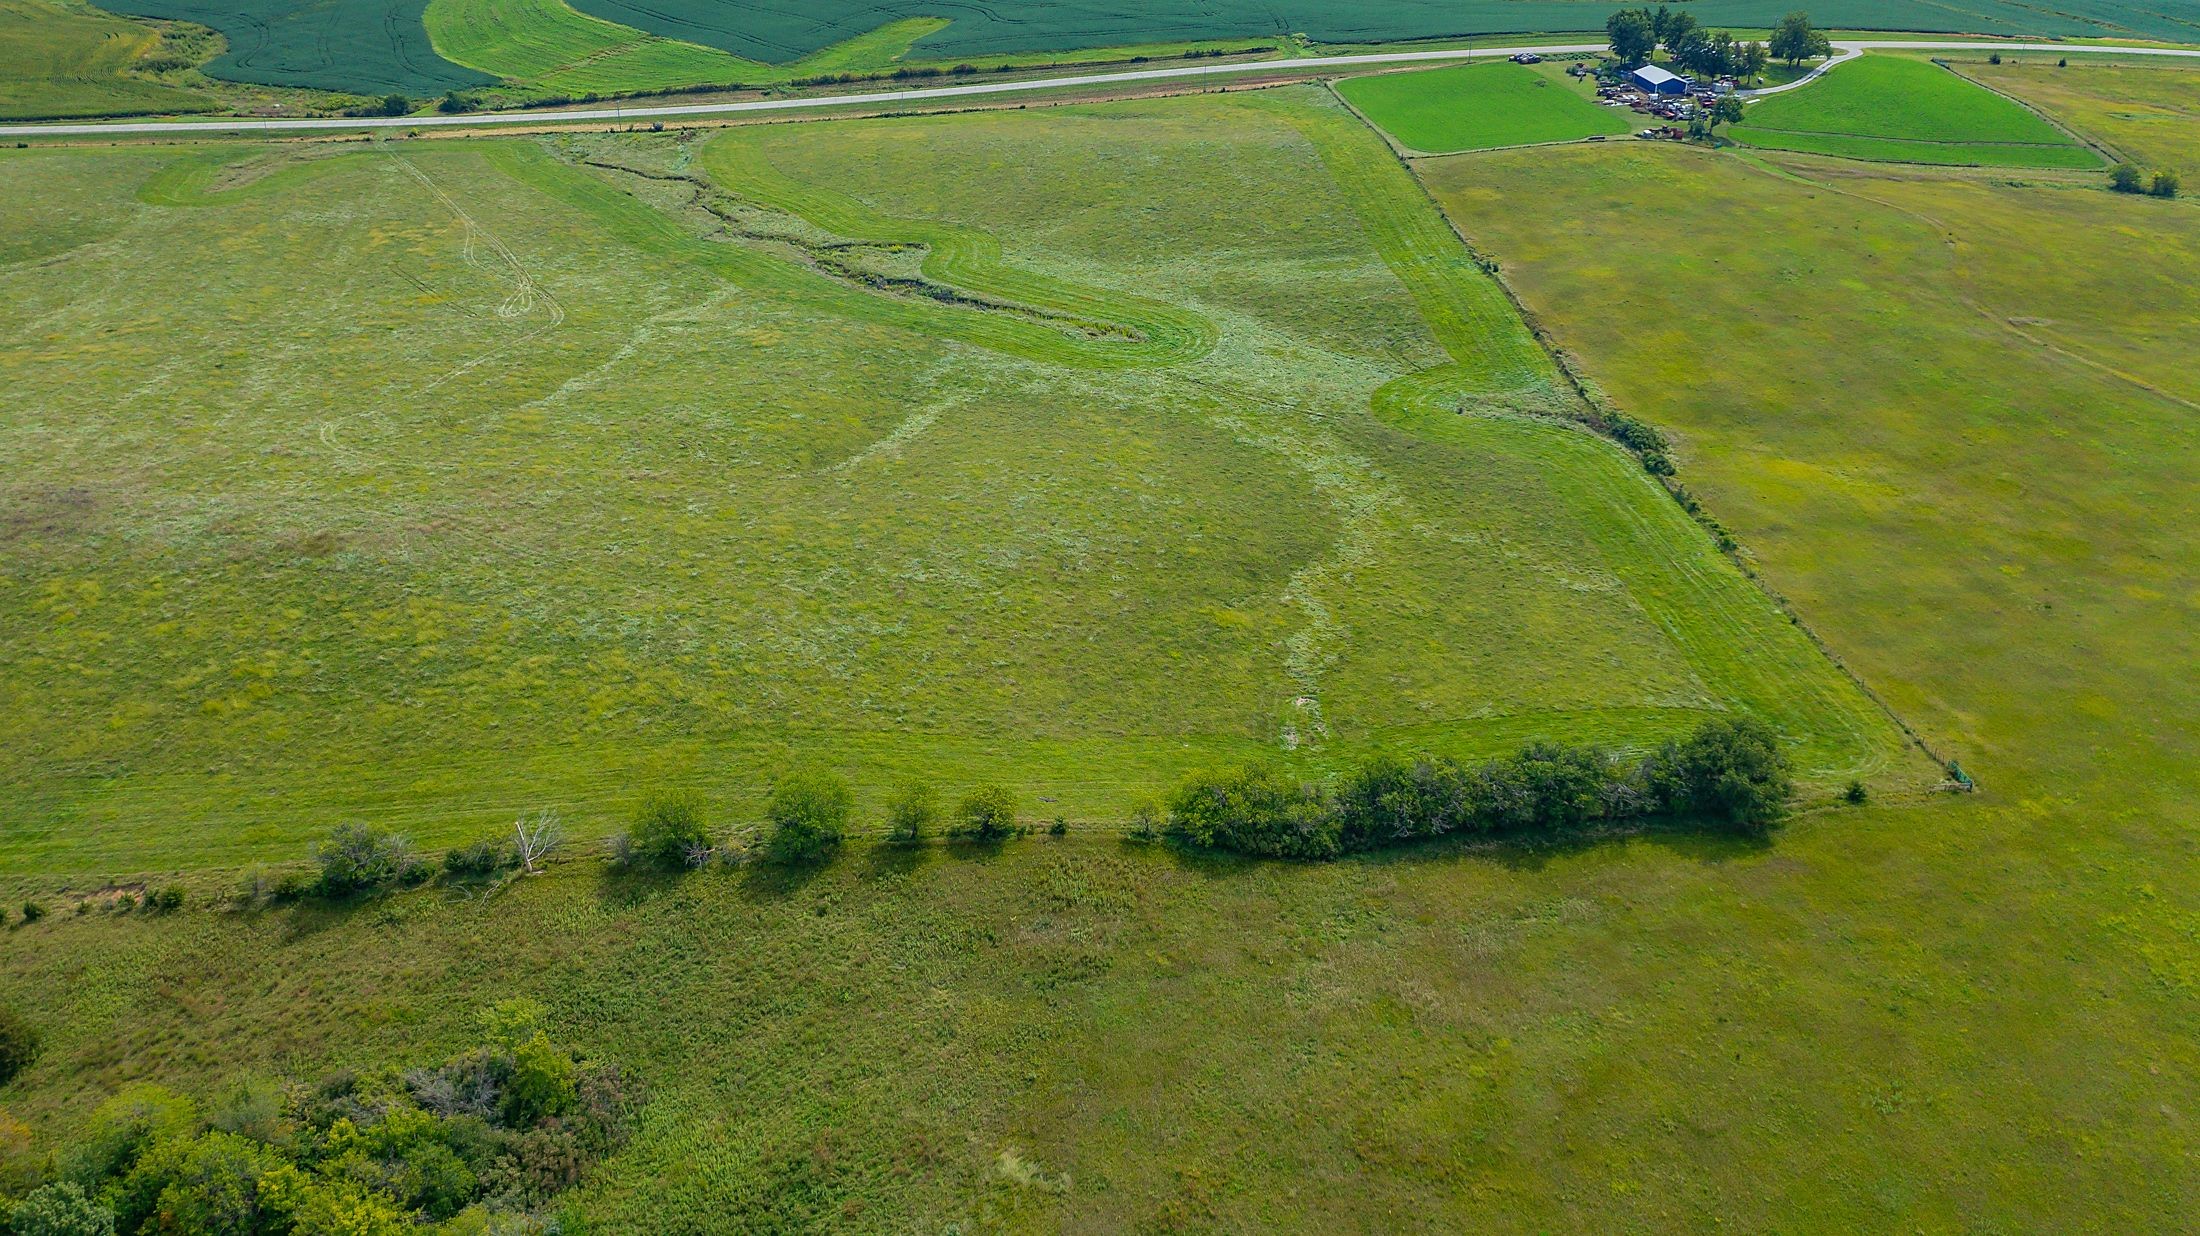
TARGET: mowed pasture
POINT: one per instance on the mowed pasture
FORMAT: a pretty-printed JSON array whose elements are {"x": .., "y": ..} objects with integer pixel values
[
  {"x": 483, "y": 477},
  {"x": 58, "y": 62},
  {"x": 1901, "y": 110},
  {"x": 1479, "y": 107}
]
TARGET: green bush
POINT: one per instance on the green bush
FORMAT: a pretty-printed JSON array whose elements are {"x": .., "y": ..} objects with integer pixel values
[
  {"x": 986, "y": 814},
  {"x": 19, "y": 1043},
  {"x": 2124, "y": 178},
  {"x": 1256, "y": 809},
  {"x": 542, "y": 1081},
  {"x": 669, "y": 831},
  {"x": 165, "y": 899},
  {"x": 1147, "y": 819},
  {"x": 911, "y": 813},
  {"x": 359, "y": 858},
  {"x": 61, "y": 1209},
  {"x": 1856, "y": 795},
  {"x": 1731, "y": 770},
  {"x": 124, "y": 1127},
  {"x": 478, "y": 859},
  {"x": 807, "y": 814},
  {"x": 2165, "y": 184},
  {"x": 32, "y": 911}
]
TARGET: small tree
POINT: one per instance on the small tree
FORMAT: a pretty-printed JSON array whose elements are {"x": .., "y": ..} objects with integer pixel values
[
  {"x": 357, "y": 858},
  {"x": 808, "y": 813},
  {"x": 1856, "y": 795},
  {"x": 911, "y": 813},
  {"x": 18, "y": 1044},
  {"x": 2166, "y": 184},
  {"x": 987, "y": 814},
  {"x": 395, "y": 105},
  {"x": 2124, "y": 178},
  {"x": 1733, "y": 769},
  {"x": 1794, "y": 41},
  {"x": 1750, "y": 60},
  {"x": 669, "y": 826}
]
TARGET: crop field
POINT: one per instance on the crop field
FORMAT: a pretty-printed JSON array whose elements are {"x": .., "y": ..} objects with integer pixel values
[
  {"x": 1479, "y": 107},
  {"x": 362, "y": 46},
  {"x": 512, "y": 480},
  {"x": 2149, "y": 116},
  {"x": 612, "y": 45},
  {"x": 1900, "y": 110},
  {"x": 61, "y": 62}
]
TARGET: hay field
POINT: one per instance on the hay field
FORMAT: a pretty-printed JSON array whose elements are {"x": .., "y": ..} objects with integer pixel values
[{"x": 480, "y": 475}]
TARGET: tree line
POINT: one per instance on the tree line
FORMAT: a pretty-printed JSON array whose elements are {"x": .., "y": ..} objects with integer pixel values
[
  {"x": 1729, "y": 772},
  {"x": 1637, "y": 34}
]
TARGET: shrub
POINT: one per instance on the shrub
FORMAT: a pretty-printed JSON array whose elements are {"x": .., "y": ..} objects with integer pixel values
[
  {"x": 911, "y": 813},
  {"x": 2124, "y": 178},
  {"x": 32, "y": 911},
  {"x": 1387, "y": 800},
  {"x": 1255, "y": 809},
  {"x": 1060, "y": 827},
  {"x": 987, "y": 814},
  {"x": 1856, "y": 795},
  {"x": 807, "y": 814},
  {"x": 453, "y": 103},
  {"x": 61, "y": 1209},
  {"x": 542, "y": 1081},
  {"x": 165, "y": 899},
  {"x": 668, "y": 829},
  {"x": 124, "y": 1127},
  {"x": 209, "y": 1183},
  {"x": 19, "y": 1043},
  {"x": 359, "y": 858},
  {"x": 2165, "y": 184},
  {"x": 479, "y": 859},
  {"x": 1146, "y": 821},
  {"x": 290, "y": 886}
]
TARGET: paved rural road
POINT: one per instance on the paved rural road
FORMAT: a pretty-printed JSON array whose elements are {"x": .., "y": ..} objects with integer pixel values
[{"x": 1305, "y": 64}]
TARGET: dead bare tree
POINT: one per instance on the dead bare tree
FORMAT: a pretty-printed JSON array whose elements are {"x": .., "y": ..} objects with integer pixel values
[{"x": 536, "y": 839}]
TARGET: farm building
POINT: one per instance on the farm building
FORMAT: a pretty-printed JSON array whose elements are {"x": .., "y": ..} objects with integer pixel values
[{"x": 1650, "y": 79}]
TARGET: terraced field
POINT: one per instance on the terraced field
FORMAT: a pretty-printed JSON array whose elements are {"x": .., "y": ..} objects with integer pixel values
[
  {"x": 1895, "y": 109},
  {"x": 1480, "y": 107},
  {"x": 548, "y": 473}
]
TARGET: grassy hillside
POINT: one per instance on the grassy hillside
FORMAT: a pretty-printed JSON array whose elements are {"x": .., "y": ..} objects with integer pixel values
[
  {"x": 1900, "y": 110},
  {"x": 1479, "y": 107},
  {"x": 514, "y": 480},
  {"x": 62, "y": 60}
]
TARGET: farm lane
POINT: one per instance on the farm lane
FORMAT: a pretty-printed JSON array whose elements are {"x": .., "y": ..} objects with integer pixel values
[{"x": 1308, "y": 65}]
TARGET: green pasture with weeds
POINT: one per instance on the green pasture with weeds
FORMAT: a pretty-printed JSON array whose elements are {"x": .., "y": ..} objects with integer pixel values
[
  {"x": 427, "y": 483},
  {"x": 1477, "y": 107},
  {"x": 489, "y": 476},
  {"x": 2148, "y": 115},
  {"x": 1902, "y": 110}
]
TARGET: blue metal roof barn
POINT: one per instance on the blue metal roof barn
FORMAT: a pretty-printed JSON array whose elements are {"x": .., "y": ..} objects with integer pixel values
[{"x": 1654, "y": 80}]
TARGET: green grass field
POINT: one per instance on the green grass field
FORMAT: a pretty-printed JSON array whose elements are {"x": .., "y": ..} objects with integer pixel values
[
  {"x": 428, "y": 481},
  {"x": 61, "y": 61},
  {"x": 510, "y": 486},
  {"x": 1479, "y": 107},
  {"x": 2150, "y": 116},
  {"x": 1899, "y": 110}
]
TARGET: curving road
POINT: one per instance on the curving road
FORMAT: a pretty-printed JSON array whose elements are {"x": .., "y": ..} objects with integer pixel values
[{"x": 1307, "y": 65}]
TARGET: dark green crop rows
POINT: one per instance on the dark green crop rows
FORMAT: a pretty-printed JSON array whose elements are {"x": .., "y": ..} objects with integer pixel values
[
  {"x": 779, "y": 30},
  {"x": 366, "y": 46},
  {"x": 381, "y": 45}
]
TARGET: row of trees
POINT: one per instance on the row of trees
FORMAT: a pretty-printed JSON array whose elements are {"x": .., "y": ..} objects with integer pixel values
[
  {"x": 807, "y": 816},
  {"x": 1637, "y": 34},
  {"x": 483, "y": 1142},
  {"x": 1729, "y": 771}
]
